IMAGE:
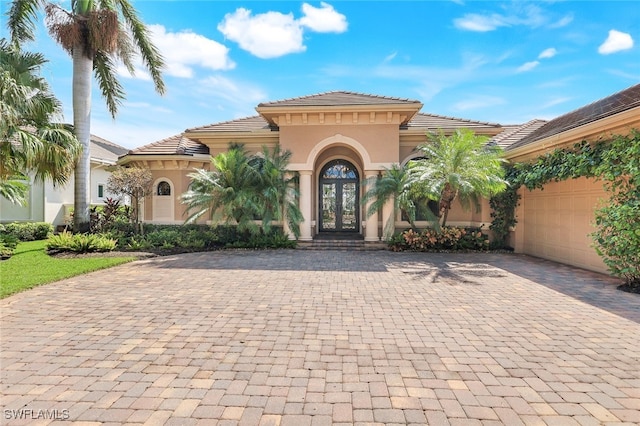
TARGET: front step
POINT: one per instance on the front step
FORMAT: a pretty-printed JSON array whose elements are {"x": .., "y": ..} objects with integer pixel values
[{"x": 341, "y": 244}]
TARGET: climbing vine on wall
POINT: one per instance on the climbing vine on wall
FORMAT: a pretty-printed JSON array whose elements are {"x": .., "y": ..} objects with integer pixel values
[
  {"x": 615, "y": 162},
  {"x": 503, "y": 210}
]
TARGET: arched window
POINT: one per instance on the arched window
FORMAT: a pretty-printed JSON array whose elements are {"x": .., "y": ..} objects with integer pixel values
[
  {"x": 339, "y": 169},
  {"x": 163, "y": 188}
]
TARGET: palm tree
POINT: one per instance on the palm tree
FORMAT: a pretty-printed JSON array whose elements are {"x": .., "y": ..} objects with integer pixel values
[
  {"x": 395, "y": 183},
  {"x": 228, "y": 192},
  {"x": 461, "y": 166},
  {"x": 96, "y": 33},
  {"x": 29, "y": 142},
  {"x": 277, "y": 190}
]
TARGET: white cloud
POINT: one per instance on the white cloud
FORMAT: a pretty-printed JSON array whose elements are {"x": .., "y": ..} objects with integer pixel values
[
  {"x": 428, "y": 80},
  {"x": 479, "y": 23},
  {"x": 555, "y": 101},
  {"x": 516, "y": 13},
  {"x": 324, "y": 19},
  {"x": 139, "y": 72},
  {"x": 547, "y": 53},
  {"x": 267, "y": 35},
  {"x": 390, "y": 57},
  {"x": 185, "y": 49},
  {"x": 477, "y": 102},
  {"x": 232, "y": 92},
  {"x": 528, "y": 66},
  {"x": 615, "y": 42},
  {"x": 562, "y": 22}
]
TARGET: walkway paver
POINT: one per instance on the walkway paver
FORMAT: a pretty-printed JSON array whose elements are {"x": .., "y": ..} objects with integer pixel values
[{"x": 323, "y": 337}]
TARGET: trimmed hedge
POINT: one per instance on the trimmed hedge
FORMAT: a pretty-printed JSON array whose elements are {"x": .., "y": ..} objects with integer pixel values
[{"x": 27, "y": 231}]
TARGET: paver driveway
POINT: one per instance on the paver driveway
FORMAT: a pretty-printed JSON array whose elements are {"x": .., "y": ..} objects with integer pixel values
[{"x": 321, "y": 337}]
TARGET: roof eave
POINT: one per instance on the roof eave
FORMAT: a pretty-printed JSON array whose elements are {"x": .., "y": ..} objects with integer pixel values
[
  {"x": 131, "y": 157},
  {"x": 421, "y": 130},
  {"x": 613, "y": 124},
  {"x": 410, "y": 109}
]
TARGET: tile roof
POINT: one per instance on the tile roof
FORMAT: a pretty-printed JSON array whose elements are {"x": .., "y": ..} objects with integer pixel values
[
  {"x": 339, "y": 98},
  {"x": 105, "y": 151},
  {"x": 514, "y": 133},
  {"x": 246, "y": 124},
  {"x": 174, "y": 145},
  {"x": 606, "y": 107},
  {"x": 433, "y": 121}
]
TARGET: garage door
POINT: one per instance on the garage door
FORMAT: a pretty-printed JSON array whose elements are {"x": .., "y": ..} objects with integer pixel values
[{"x": 558, "y": 220}]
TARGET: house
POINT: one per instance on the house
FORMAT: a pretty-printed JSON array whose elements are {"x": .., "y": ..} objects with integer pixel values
[
  {"x": 555, "y": 223},
  {"x": 340, "y": 139},
  {"x": 49, "y": 203},
  {"x": 337, "y": 140}
]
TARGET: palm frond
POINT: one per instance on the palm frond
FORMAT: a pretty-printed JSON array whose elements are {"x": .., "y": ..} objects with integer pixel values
[
  {"x": 106, "y": 76},
  {"x": 151, "y": 56},
  {"x": 22, "y": 18},
  {"x": 14, "y": 190}
]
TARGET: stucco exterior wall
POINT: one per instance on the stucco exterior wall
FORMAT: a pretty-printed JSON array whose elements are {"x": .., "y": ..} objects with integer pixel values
[
  {"x": 556, "y": 222},
  {"x": 381, "y": 140},
  {"x": 32, "y": 212},
  {"x": 176, "y": 173}
]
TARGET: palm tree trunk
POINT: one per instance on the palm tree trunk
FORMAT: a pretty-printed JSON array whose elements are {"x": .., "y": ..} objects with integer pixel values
[
  {"x": 82, "y": 74},
  {"x": 446, "y": 199}
]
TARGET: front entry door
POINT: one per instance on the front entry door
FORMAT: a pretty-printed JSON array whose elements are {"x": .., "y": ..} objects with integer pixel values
[{"x": 339, "y": 197}]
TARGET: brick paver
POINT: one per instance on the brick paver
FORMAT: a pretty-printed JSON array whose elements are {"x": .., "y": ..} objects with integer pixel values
[{"x": 323, "y": 337}]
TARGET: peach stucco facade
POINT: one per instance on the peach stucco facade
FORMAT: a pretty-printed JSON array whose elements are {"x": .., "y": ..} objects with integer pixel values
[
  {"x": 371, "y": 133},
  {"x": 370, "y": 136}
]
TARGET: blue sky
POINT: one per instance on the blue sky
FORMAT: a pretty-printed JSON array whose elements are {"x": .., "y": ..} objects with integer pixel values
[{"x": 503, "y": 62}]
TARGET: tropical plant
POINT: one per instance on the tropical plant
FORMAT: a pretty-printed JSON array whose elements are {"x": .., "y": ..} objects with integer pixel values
[
  {"x": 29, "y": 142},
  {"x": 229, "y": 192},
  {"x": 97, "y": 34},
  {"x": 394, "y": 184},
  {"x": 243, "y": 188},
  {"x": 132, "y": 182},
  {"x": 278, "y": 193},
  {"x": 79, "y": 243},
  {"x": 460, "y": 166}
]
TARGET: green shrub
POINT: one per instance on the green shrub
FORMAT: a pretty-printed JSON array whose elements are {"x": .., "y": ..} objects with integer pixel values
[
  {"x": 617, "y": 238},
  {"x": 447, "y": 238},
  {"x": 194, "y": 237},
  {"x": 27, "y": 231},
  {"x": 104, "y": 217},
  {"x": 8, "y": 244},
  {"x": 80, "y": 243}
]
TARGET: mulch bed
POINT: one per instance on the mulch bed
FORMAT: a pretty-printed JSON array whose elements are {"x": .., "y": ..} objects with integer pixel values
[{"x": 630, "y": 288}]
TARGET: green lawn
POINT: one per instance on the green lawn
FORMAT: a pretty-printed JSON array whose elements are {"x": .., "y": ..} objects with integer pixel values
[{"x": 31, "y": 266}]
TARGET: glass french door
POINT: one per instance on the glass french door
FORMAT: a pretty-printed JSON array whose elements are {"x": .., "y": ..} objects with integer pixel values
[{"x": 339, "y": 196}]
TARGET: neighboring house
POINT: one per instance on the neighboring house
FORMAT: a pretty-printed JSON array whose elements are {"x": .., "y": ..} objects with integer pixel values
[
  {"x": 49, "y": 203},
  {"x": 555, "y": 223}
]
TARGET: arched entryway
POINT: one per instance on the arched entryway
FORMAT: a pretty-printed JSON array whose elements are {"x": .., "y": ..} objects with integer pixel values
[{"x": 339, "y": 201}]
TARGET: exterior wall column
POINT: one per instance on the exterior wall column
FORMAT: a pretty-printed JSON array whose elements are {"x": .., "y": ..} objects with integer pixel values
[
  {"x": 285, "y": 221},
  {"x": 388, "y": 215},
  {"x": 371, "y": 222},
  {"x": 306, "y": 195}
]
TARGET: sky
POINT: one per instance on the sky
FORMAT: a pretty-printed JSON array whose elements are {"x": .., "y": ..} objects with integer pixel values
[{"x": 503, "y": 62}]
